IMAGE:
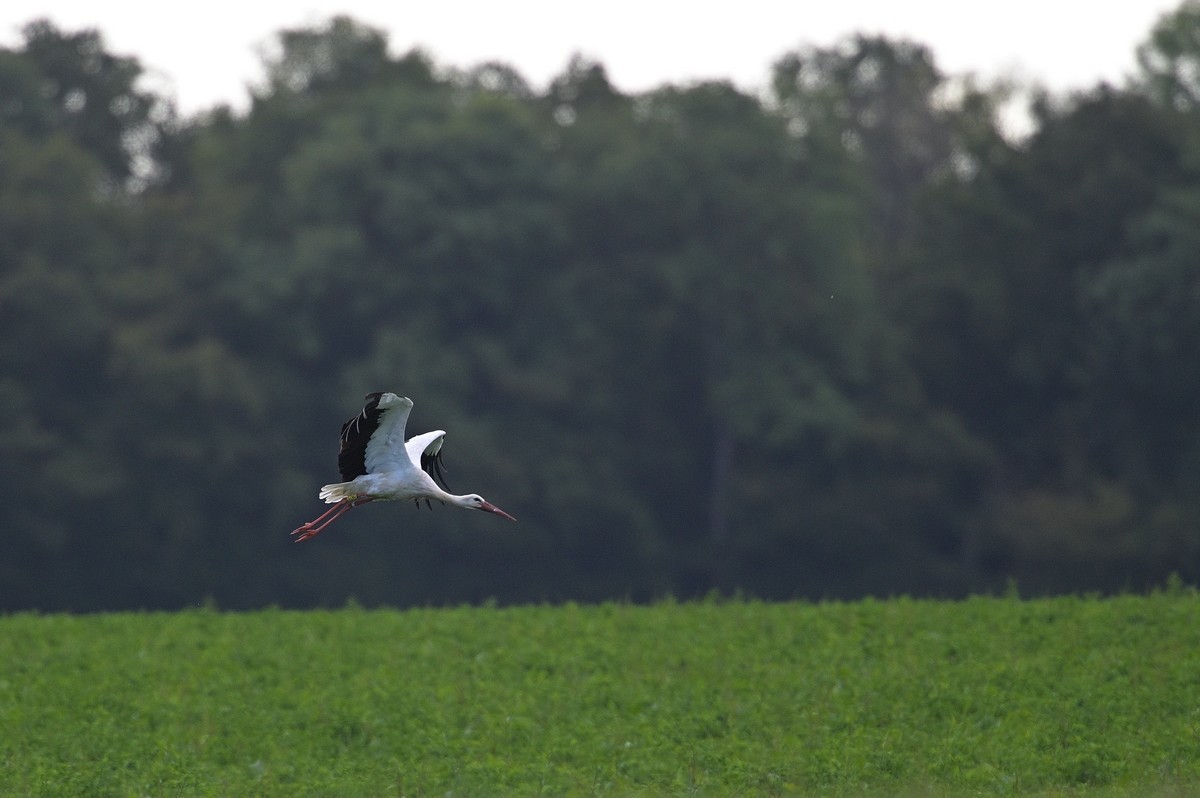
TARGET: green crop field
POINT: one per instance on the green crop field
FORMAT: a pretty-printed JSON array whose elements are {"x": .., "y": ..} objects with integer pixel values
[{"x": 995, "y": 696}]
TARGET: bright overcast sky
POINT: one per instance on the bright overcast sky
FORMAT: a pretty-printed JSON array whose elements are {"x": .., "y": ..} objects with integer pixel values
[{"x": 207, "y": 53}]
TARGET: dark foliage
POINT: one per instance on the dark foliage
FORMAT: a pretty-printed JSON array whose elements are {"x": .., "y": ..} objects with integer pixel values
[{"x": 850, "y": 339}]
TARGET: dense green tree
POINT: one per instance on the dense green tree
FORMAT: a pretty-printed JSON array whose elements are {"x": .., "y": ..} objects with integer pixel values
[
  {"x": 93, "y": 96},
  {"x": 904, "y": 129},
  {"x": 113, "y": 390},
  {"x": 1016, "y": 269},
  {"x": 1169, "y": 59},
  {"x": 878, "y": 101},
  {"x": 53, "y": 237}
]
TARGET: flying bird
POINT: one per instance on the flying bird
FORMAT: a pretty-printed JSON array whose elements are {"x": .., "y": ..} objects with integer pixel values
[{"x": 377, "y": 464}]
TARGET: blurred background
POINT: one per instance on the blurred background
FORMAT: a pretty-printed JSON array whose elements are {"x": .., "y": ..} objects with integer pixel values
[{"x": 856, "y": 332}]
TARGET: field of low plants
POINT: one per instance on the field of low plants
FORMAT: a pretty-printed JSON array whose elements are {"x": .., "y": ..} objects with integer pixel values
[{"x": 990, "y": 696}]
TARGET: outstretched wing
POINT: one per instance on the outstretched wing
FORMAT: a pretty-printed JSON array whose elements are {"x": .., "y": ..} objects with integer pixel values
[
  {"x": 425, "y": 452},
  {"x": 373, "y": 441}
]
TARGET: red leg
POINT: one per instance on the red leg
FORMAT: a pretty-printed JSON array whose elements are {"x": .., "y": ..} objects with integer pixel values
[
  {"x": 313, "y": 527},
  {"x": 332, "y": 508},
  {"x": 318, "y": 524}
]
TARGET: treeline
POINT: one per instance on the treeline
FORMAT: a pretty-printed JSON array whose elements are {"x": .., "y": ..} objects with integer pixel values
[{"x": 845, "y": 338}]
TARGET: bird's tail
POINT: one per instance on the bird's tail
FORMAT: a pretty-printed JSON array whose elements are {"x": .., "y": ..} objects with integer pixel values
[{"x": 337, "y": 491}]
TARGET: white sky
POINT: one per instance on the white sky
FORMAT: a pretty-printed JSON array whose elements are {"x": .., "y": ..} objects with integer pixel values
[{"x": 207, "y": 53}]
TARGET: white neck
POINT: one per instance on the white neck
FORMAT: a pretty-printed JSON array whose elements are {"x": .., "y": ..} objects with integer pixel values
[{"x": 459, "y": 501}]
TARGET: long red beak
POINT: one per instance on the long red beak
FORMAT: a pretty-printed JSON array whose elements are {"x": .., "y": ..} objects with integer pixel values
[{"x": 491, "y": 508}]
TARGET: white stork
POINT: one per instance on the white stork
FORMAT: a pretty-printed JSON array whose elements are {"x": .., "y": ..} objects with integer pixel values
[{"x": 378, "y": 465}]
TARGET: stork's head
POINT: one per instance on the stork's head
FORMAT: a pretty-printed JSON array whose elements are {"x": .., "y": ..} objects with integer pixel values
[{"x": 473, "y": 501}]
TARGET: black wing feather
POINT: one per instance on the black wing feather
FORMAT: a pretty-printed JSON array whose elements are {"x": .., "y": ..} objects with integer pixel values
[
  {"x": 352, "y": 455},
  {"x": 432, "y": 465}
]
